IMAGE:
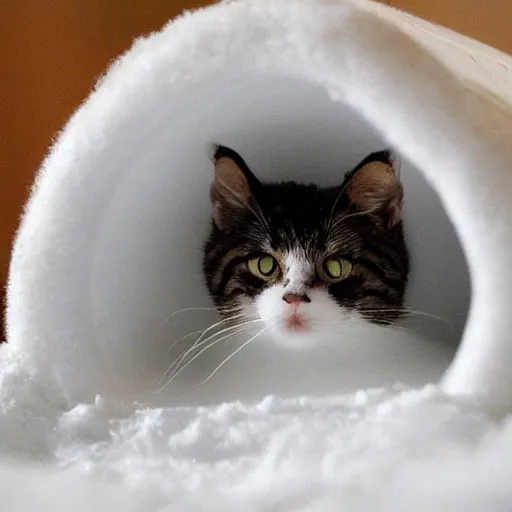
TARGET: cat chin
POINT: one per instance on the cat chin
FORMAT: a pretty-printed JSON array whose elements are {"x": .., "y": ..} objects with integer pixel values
[{"x": 294, "y": 340}]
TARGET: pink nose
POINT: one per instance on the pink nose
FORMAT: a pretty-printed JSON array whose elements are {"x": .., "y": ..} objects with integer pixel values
[{"x": 295, "y": 298}]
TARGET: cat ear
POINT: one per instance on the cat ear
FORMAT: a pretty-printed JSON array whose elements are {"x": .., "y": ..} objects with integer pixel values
[
  {"x": 230, "y": 192},
  {"x": 374, "y": 187}
]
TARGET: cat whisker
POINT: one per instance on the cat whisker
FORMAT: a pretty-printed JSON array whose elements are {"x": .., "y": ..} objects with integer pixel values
[
  {"x": 198, "y": 342},
  {"x": 174, "y": 370},
  {"x": 184, "y": 310},
  {"x": 177, "y": 366},
  {"x": 219, "y": 323},
  {"x": 184, "y": 338},
  {"x": 333, "y": 209},
  {"x": 233, "y": 354},
  {"x": 409, "y": 311},
  {"x": 182, "y": 366},
  {"x": 223, "y": 309},
  {"x": 257, "y": 212},
  {"x": 417, "y": 312},
  {"x": 207, "y": 347},
  {"x": 201, "y": 333},
  {"x": 262, "y": 219},
  {"x": 390, "y": 325},
  {"x": 350, "y": 215}
]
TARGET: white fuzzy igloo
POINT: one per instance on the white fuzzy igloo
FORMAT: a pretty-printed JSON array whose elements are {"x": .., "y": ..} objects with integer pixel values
[{"x": 109, "y": 248}]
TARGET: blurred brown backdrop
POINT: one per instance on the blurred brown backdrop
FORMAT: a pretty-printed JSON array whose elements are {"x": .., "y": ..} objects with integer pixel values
[{"x": 51, "y": 52}]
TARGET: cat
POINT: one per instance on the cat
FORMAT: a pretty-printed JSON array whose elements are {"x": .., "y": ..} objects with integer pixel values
[{"x": 302, "y": 260}]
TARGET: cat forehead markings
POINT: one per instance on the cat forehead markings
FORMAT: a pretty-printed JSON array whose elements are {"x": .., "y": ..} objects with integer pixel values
[{"x": 292, "y": 236}]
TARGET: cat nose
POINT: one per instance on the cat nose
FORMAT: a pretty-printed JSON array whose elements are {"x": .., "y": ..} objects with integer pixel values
[{"x": 295, "y": 298}]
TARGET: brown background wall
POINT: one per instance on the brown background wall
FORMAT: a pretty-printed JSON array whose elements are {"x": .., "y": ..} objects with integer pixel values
[{"x": 51, "y": 51}]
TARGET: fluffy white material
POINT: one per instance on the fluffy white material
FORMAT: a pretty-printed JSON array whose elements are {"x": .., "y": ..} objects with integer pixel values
[
  {"x": 374, "y": 450},
  {"x": 92, "y": 298},
  {"x": 118, "y": 212}
]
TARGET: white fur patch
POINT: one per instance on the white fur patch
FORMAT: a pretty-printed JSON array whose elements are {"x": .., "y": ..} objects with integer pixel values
[{"x": 297, "y": 272}]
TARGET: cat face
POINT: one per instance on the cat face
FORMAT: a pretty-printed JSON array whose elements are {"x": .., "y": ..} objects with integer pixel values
[{"x": 306, "y": 261}]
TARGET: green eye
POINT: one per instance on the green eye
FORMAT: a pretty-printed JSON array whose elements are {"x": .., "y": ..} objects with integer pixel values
[
  {"x": 337, "y": 269},
  {"x": 262, "y": 267}
]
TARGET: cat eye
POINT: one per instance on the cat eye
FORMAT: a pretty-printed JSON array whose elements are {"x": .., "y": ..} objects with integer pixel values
[
  {"x": 337, "y": 269},
  {"x": 263, "y": 266}
]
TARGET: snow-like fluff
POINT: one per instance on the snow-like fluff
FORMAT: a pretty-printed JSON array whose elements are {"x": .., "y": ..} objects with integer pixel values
[{"x": 379, "y": 450}]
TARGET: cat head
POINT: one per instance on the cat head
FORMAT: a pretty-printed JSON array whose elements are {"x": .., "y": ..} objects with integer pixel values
[{"x": 307, "y": 261}]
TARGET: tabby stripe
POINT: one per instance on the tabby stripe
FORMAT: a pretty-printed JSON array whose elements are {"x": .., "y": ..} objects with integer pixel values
[
  {"x": 237, "y": 290},
  {"x": 396, "y": 284},
  {"x": 381, "y": 253},
  {"x": 379, "y": 294},
  {"x": 228, "y": 272},
  {"x": 230, "y": 267}
]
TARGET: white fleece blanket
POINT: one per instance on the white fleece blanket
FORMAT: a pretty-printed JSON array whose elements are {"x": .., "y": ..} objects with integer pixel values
[{"x": 110, "y": 241}]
